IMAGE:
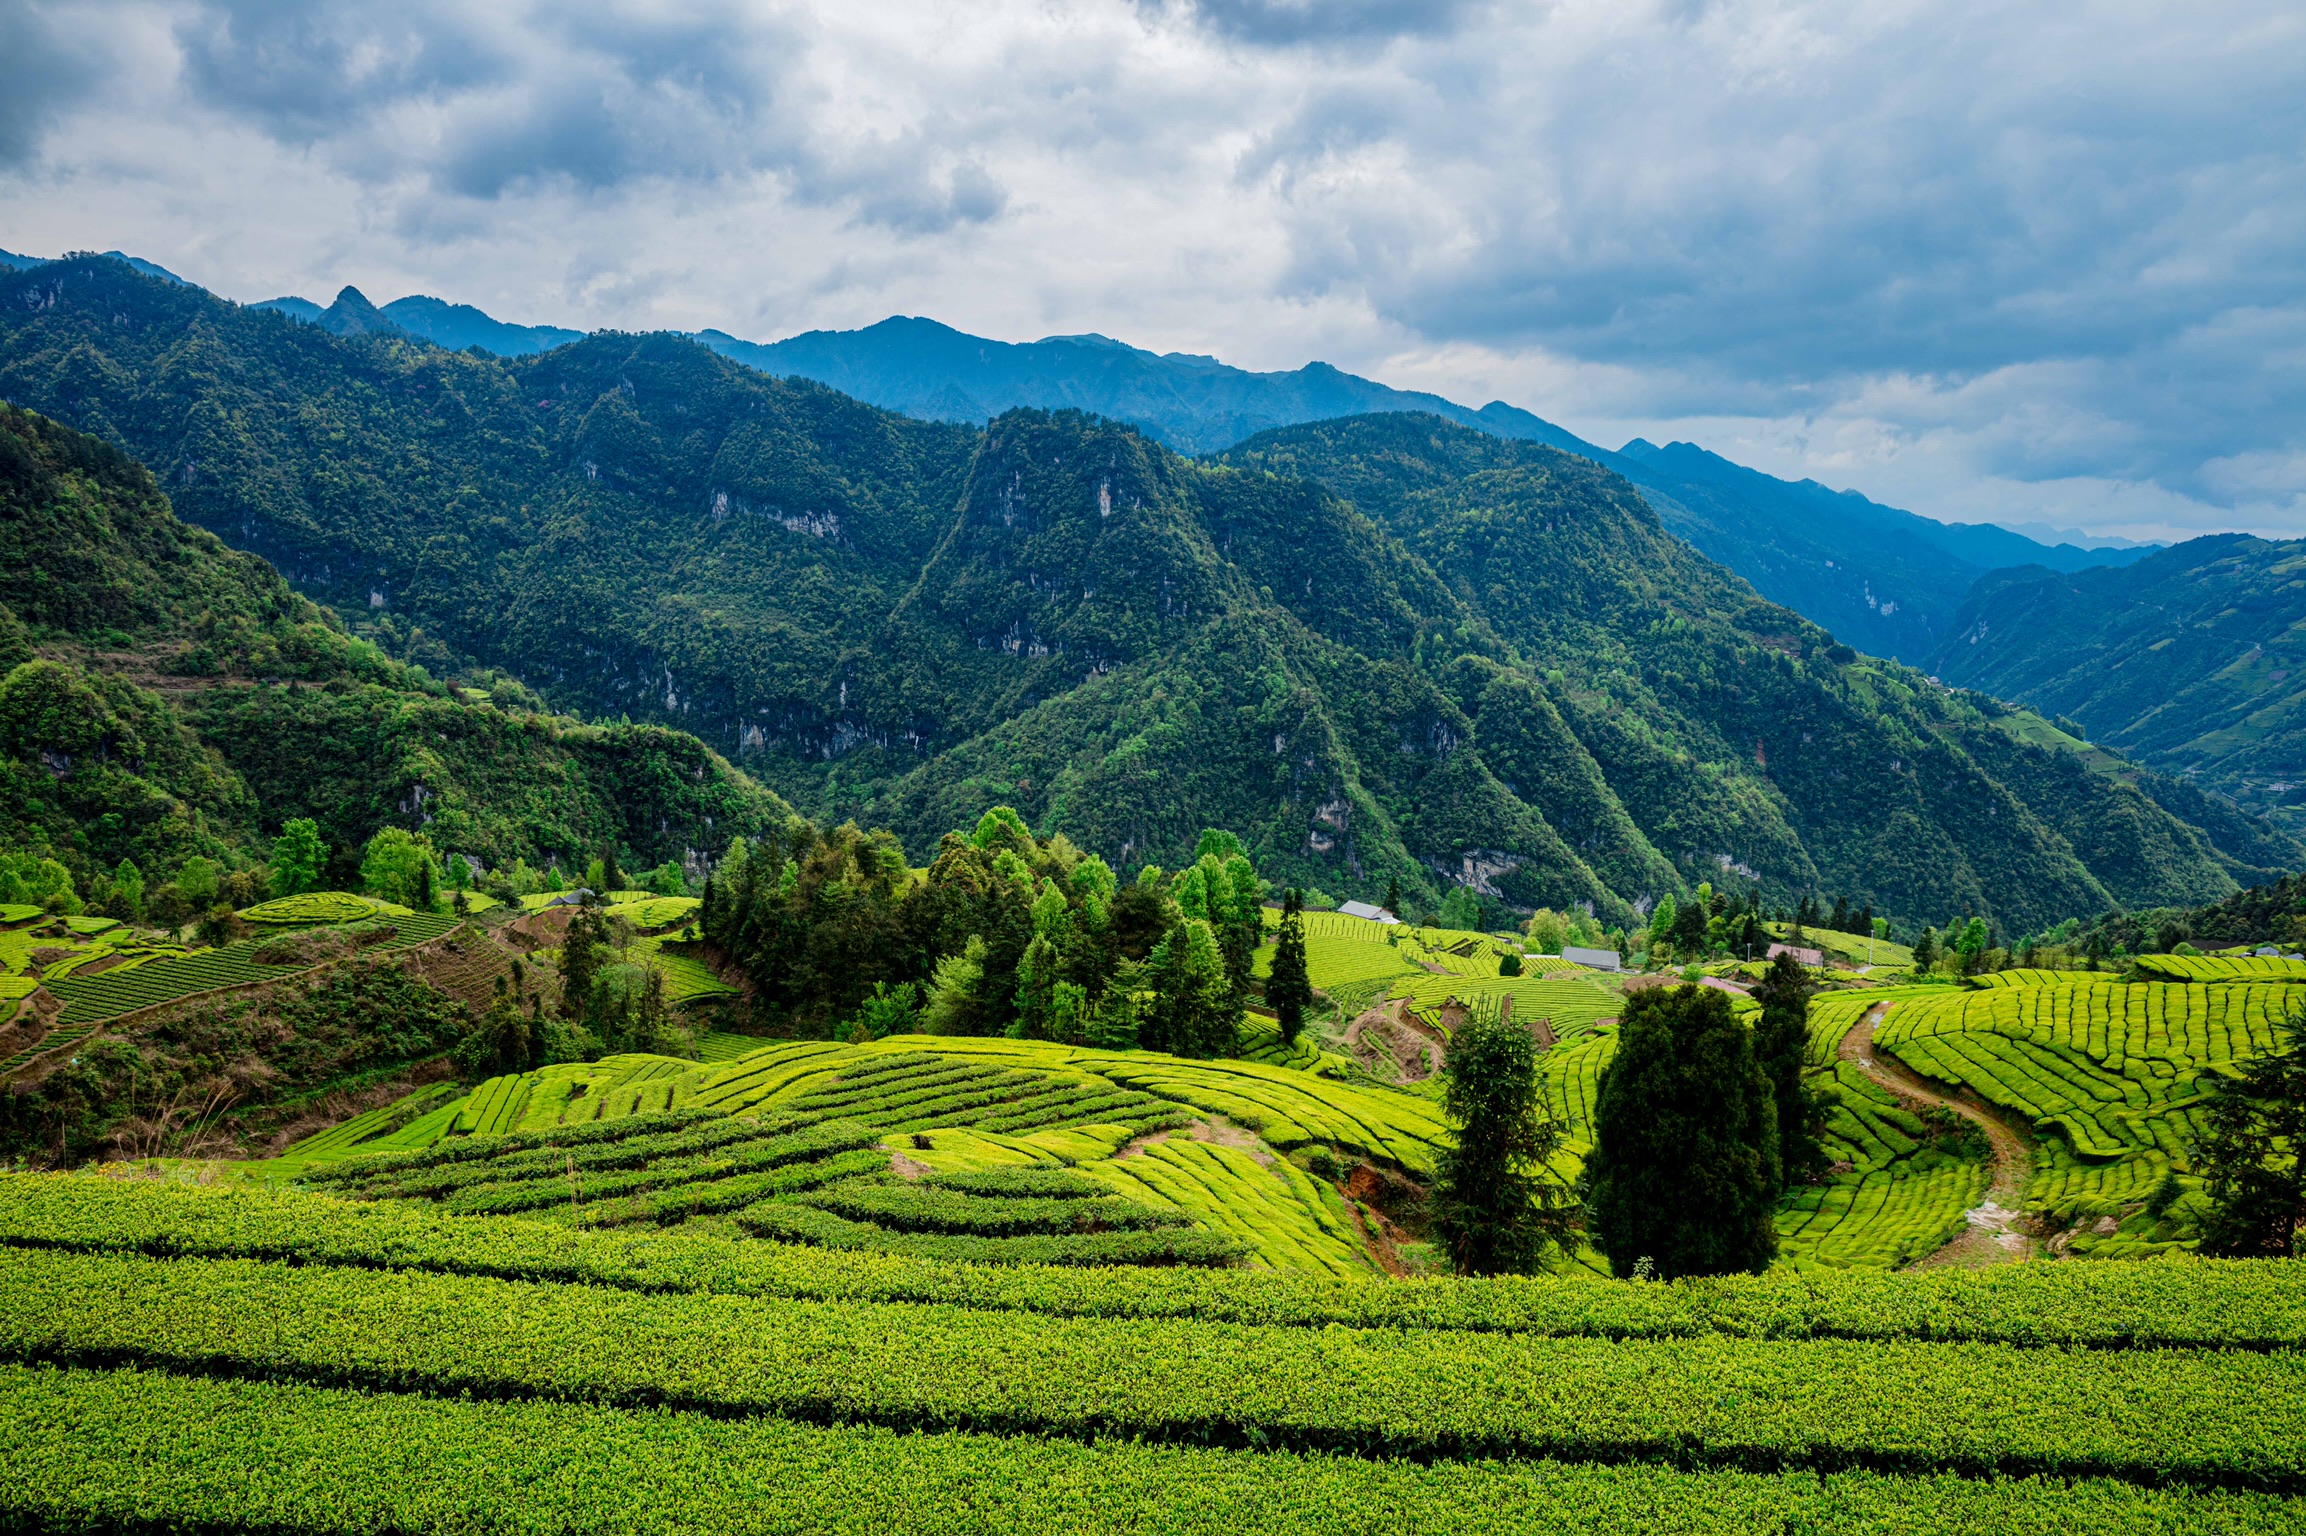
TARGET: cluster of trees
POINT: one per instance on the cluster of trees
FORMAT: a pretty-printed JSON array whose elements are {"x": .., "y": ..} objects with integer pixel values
[
  {"x": 1842, "y": 919},
  {"x": 1548, "y": 930},
  {"x": 1971, "y": 946},
  {"x": 402, "y": 866},
  {"x": 201, "y": 887},
  {"x": 606, "y": 1001},
  {"x": 1966, "y": 949},
  {"x": 1700, "y": 1123},
  {"x": 1699, "y": 1126},
  {"x": 1710, "y": 923},
  {"x": 395, "y": 865},
  {"x": 1003, "y": 934},
  {"x": 2273, "y": 913}
]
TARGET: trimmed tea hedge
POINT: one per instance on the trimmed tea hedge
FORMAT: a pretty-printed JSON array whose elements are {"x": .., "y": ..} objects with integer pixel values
[
  {"x": 133, "y": 1450},
  {"x": 2237, "y": 1304},
  {"x": 1979, "y": 1410}
]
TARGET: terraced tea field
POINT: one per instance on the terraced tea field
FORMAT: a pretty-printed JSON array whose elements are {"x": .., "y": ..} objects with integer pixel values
[
  {"x": 168, "y": 978},
  {"x": 819, "y": 1143},
  {"x": 2113, "y": 1069},
  {"x": 1569, "y": 1004},
  {"x": 2220, "y": 968},
  {"x": 686, "y": 977},
  {"x": 1360, "y": 964},
  {"x": 652, "y": 913},
  {"x": 312, "y": 907},
  {"x": 187, "y": 1357},
  {"x": 1896, "y": 1195},
  {"x": 99, "y": 970},
  {"x": 2106, "y": 1073}
]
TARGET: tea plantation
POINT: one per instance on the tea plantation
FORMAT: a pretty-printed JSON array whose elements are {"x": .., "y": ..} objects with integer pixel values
[
  {"x": 970, "y": 1284},
  {"x": 183, "y": 1356},
  {"x": 991, "y": 1151},
  {"x": 101, "y": 971}
]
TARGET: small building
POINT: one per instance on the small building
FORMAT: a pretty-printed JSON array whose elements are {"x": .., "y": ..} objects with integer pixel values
[
  {"x": 1810, "y": 957},
  {"x": 1592, "y": 959},
  {"x": 1366, "y": 912}
]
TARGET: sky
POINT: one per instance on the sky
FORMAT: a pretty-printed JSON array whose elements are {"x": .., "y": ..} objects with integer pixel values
[{"x": 2022, "y": 263}]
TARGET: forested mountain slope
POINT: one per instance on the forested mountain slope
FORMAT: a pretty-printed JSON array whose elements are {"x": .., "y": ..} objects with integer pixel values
[
  {"x": 1885, "y": 580},
  {"x": 2193, "y": 660},
  {"x": 163, "y": 696},
  {"x": 1384, "y": 648},
  {"x": 1888, "y": 581}
]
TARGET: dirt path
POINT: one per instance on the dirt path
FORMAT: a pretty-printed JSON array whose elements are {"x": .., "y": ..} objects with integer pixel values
[{"x": 1992, "y": 1236}]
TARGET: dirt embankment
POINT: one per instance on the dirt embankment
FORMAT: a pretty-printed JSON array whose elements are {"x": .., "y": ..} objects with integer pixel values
[{"x": 1391, "y": 1040}]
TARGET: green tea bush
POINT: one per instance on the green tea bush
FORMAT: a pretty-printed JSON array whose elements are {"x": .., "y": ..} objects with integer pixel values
[
  {"x": 904, "y": 1207},
  {"x": 1981, "y": 1411}
]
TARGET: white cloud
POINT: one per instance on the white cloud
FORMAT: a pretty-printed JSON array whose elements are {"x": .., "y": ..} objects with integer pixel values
[{"x": 1977, "y": 259}]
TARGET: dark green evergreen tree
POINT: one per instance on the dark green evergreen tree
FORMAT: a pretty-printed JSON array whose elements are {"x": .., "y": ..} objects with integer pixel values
[
  {"x": 1684, "y": 1170},
  {"x": 1194, "y": 1011},
  {"x": 424, "y": 893},
  {"x": 1781, "y": 1043},
  {"x": 1689, "y": 924},
  {"x": 612, "y": 878},
  {"x": 1290, "y": 988},
  {"x": 580, "y": 960},
  {"x": 501, "y": 1042},
  {"x": 1393, "y": 897},
  {"x": 2253, "y": 1153},
  {"x": 1495, "y": 1205}
]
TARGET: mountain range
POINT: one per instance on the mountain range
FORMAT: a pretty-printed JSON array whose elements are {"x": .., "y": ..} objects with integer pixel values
[
  {"x": 1387, "y": 647},
  {"x": 1888, "y": 581},
  {"x": 2193, "y": 659},
  {"x": 455, "y": 326}
]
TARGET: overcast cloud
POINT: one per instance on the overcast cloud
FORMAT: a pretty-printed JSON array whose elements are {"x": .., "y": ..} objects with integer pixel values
[{"x": 2039, "y": 262}]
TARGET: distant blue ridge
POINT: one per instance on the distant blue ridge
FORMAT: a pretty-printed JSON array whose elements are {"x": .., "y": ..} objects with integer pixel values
[{"x": 454, "y": 326}]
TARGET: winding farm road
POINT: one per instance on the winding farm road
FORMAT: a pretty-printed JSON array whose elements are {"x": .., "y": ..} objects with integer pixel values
[{"x": 1992, "y": 1236}]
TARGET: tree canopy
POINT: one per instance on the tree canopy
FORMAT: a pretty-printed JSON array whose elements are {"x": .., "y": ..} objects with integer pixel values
[
  {"x": 1496, "y": 1206},
  {"x": 1684, "y": 1171}
]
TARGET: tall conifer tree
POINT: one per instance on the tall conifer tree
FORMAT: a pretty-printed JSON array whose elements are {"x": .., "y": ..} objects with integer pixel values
[
  {"x": 1495, "y": 1208},
  {"x": 1684, "y": 1170},
  {"x": 1290, "y": 988},
  {"x": 1781, "y": 1044}
]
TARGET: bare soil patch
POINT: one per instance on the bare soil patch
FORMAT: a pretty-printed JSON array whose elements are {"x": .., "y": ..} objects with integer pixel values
[
  {"x": 1390, "y": 1037},
  {"x": 1225, "y": 1133}
]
